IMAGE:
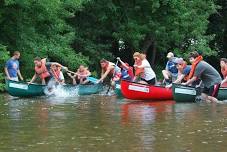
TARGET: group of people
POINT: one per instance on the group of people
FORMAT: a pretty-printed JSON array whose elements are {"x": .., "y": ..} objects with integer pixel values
[
  {"x": 199, "y": 73},
  {"x": 143, "y": 72},
  {"x": 177, "y": 71},
  {"x": 49, "y": 72}
]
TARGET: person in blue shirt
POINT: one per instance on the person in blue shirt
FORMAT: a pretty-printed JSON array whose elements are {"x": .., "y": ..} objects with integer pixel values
[
  {"x": 171, "y": 71},
  {"x": 12, "y": 69},
  {"x": 183, "y": 71}
]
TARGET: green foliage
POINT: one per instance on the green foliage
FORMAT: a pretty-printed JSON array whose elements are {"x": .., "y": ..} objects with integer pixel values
[
  {"x": 39, "y": 28},
  {"x": 169, "y": 24},
  {"x": 74, "y": 32},
  {"x": 4, "y": 55}
]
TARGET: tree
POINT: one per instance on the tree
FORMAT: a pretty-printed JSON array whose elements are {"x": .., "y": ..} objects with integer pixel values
[
  {"x": 146, "y": 25},
  {"x": 39, "y": 28},
  {"x": 4, "y": 55},
  {"x": 218, "y": 27}
]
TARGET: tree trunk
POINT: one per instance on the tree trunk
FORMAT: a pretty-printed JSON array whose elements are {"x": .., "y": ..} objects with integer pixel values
[{"x": 150, "y": 49}]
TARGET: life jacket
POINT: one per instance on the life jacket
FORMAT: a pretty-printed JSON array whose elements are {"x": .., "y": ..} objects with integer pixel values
[
  {"x": 56, "y": 74},
  {"x": 114, "y": 72},
  {"x": 83, "y": 73},
  {"x": 183, "y": 67},
  {"x": 42, "y": 70},
  {"x": 107, "y": 65},
  {"x": 139, "y": 72},
  {"x": 193, "y": 67}
]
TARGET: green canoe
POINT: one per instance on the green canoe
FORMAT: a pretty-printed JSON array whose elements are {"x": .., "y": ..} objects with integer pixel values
[
  {"x": 118, "y": 90},
  {"x": 183, "y": 93},
  {"x": 222, "y": 94},
  {"x": 22, "y": 89},
  {"x": 88, "y": 89}
]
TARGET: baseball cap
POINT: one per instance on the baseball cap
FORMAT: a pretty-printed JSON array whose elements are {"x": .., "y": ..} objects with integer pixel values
[
  {"x": 178, "y": 60},
  {"x": 170, "y": 55}
]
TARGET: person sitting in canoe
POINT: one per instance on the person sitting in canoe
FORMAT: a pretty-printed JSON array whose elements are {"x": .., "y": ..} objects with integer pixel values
[
  {"x": 210, "y": 77},
  {"x": 139, "y": 72},
  {"x": 149, "y": 76},
  {"x": 42, "y": 68},
  {"x": 80, "y": 77},
  {"x": 57, "y": 75},
  {"x": 126, "y": 70},
  {"x": 109, "y": 69},
  {"x": 12, "y": 69},
  {"x": 57, "y": 78},
  {"x": 170, "y": 72},
  {"x": 183, "y": 71},
  {"x": 223, "y": 64}
]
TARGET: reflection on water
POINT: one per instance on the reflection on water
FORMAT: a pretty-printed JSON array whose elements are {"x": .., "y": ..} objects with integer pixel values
[{"x": 105, "y": 123}]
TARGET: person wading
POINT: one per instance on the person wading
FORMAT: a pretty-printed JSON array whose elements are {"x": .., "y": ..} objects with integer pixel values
[
  {"x": 208, "y": 74},
  {"x": 12, "y": 69},
  {"x": 42, "y": 70},
  {"x": 109, "y": 69}
]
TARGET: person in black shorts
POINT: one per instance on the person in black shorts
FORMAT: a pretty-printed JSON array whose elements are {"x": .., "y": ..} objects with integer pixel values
[{"x": 210, "y": 77}]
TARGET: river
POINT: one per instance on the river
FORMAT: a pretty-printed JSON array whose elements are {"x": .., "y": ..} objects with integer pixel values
[{"x": 108, "y": 124}]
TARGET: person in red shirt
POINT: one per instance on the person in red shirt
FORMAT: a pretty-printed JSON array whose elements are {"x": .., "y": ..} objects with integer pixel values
[{"x": 223, "y": 64}]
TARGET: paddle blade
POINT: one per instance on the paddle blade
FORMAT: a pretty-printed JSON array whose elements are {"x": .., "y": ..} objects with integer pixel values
[{"x": 92, "y": 79}]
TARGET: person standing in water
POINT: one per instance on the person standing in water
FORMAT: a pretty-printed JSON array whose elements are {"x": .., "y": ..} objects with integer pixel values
[
  {"x": 208, "y": 74},
  {"x": 12, "y": 69},
  {"x": 42, "y": 70},
  {"x": 109, "y": 69}
]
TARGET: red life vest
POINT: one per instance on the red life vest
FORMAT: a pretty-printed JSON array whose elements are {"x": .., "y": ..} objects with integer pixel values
[
  {"x": 56, "y": 74},
  {"x": 194, "y": 64},
  {"x": 107, "y": 65},
  {"x": 139, "y": 71},
  {"x": 42, "y": 70}
]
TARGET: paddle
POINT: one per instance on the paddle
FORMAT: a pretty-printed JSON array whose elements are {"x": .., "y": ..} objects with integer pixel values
[{"x": 92, "y": 79}]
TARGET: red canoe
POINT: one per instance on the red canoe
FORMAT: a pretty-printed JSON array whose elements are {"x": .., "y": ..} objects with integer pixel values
[{"x": 137, "y": 91}]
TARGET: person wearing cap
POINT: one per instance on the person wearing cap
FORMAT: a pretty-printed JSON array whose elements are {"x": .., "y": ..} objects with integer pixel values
[
  {"x": 170, "y": 72},
  {"x": 183, "y": 71},
  {"x": 126, "y": 70},
  {"x": 210, "y": 77}
]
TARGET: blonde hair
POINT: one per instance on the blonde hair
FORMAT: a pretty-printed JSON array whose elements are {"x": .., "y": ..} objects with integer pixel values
[{"x": 141, "y": 56}]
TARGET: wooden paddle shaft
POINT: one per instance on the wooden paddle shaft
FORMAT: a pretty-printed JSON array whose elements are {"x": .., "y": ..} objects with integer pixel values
[{"x": 71, "y": 72}]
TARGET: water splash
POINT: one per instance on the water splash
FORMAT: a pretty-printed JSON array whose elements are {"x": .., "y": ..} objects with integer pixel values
[{"x": 62, "y": 91}]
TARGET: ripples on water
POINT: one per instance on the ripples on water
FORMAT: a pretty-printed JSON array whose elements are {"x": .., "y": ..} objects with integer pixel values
[{"x": 106, "y": 123}]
